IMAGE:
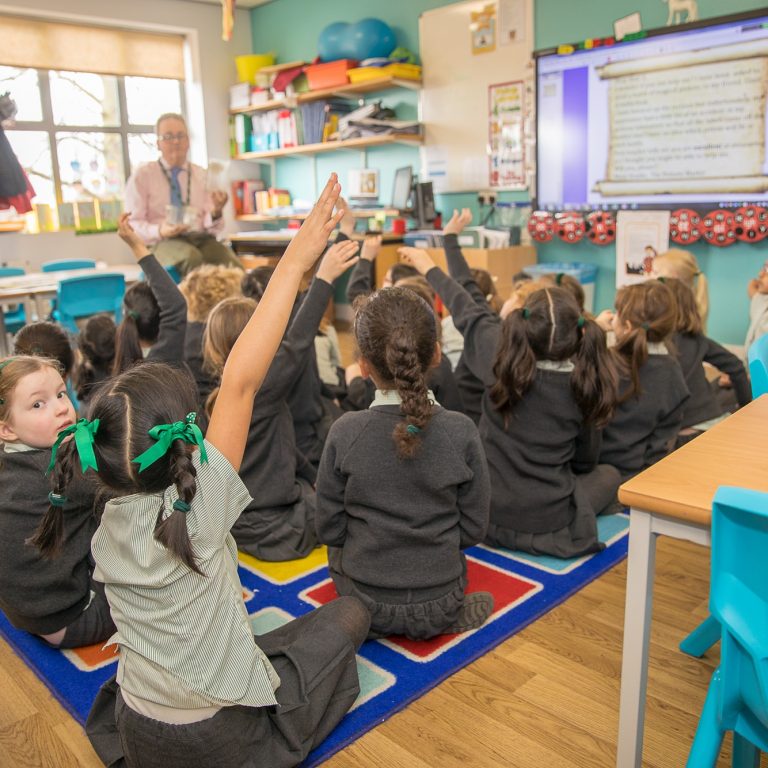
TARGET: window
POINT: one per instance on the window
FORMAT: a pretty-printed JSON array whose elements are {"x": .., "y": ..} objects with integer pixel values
[{"x": 79, "y": 134}]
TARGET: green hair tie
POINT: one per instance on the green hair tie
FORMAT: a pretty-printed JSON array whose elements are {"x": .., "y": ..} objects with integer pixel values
[
  {"x": 165, "y": 434},
  {"x": 133, "y": 314},
  {"x": 84, "y": 432},
  {"x": 645, "y": 326},
  {"x": 580, "y": 322},
  {"x": 526, "y": 313},
  {"x": 56, "y": 499},
  {"x": 662, "y": 279},
  {"x": 412, "y": 429},
  {"x": 559, "y": 278},
  {"x": 181, "y": 505}
]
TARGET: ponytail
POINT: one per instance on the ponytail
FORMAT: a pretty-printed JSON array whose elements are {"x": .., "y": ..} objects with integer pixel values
[
  {"x": 48, "y": 536},
  {"x": 127, "y": 345},
  {"x": 171, "y": 531},
  {"x": 594, "y": 380},
  {"x": 515, "y": 366},
  {"x": 408, "y": 377}
]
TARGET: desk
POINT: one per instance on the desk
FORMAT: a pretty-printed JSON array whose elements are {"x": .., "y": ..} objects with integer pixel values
[
  {"x": 35, "y": 287},
  {"x": 674, "y": 498}
]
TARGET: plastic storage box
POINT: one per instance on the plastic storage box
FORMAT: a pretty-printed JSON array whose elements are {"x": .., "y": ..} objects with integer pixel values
[
  {"x": 586, "y": 274},
  {"x": 328, "y": 75},
  {"x": 403, "y": 71}
]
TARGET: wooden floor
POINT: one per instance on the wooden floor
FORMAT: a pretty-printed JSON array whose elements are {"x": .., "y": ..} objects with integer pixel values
[{"x": 546, "y": 698}]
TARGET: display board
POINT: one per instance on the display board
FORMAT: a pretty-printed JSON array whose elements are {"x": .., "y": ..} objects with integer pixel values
[{"x": 477, "y": 100}]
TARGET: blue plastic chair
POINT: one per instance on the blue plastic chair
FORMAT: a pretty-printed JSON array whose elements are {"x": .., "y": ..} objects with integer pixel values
[
  {"x": 89, "y": 295},
  {"x": 174, "y": 273},
  {"x": 737, "y": 699},
  {"x": 62, "y": 264},
  {"x": 708, "y": 632},
  {"x": 15, "y": 319},
  {"x": 757, "y": 355}
]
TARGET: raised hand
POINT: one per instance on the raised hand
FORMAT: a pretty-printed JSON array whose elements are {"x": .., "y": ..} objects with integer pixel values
[
  {"x": 312, "y": 238},
  {"x": 457, "y": 222},
  {"x": 417, "y": 258},
  {"x": 337, "y": 260},
  {"x": 219, "y": 199},
  {"x": 129, "y": 237},
  {"x": 347, "y": 223},
  {"x": 371, "y": 247}
]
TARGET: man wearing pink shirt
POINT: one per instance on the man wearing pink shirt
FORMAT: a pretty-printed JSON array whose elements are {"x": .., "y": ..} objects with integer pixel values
[{"x": 171, "y": 208}]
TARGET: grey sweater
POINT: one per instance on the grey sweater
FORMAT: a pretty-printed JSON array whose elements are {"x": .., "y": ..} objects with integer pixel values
[
  {"x": 402, "y": 523},
  {"x": 42, "y": 595},
  {"x": 169, "y": 347}
]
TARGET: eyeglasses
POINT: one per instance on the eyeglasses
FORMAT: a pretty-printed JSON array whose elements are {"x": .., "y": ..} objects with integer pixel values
[{"x": 173, "y": 136}]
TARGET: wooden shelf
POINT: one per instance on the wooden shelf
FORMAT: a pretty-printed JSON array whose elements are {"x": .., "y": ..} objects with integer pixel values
[
  {"x": 333, "y": 146},
  {"x": 358, "y": 213},
  {"x": 351, "y": 89}
]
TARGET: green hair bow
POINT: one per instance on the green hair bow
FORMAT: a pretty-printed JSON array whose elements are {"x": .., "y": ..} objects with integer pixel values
[
  {"x": 165, "y": 434},
  {"x": 84, "y": 432}
]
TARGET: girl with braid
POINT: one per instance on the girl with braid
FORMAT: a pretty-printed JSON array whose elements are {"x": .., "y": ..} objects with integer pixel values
[
  {"x": 51, "y": 593},
  {"x": 550, "y": 385},
  {"x": 402, "y": 487},
  {"x": 194, "y": 687}
]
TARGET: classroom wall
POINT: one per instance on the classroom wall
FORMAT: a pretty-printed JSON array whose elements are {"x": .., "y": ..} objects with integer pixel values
[
  {"x": 556, "y": 21},
  {"x": 213, "y": 68}
]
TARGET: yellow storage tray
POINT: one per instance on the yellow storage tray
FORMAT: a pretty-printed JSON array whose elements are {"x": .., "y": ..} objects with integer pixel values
[{"x": 404, "y": 71}]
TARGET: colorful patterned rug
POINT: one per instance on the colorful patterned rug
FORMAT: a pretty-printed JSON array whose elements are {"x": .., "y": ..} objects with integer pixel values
[{"x": 393, "y": 671}]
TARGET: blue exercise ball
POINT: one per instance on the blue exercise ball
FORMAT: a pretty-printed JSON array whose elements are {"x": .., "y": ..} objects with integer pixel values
[
  {"x": 371, "y": 38},
  {"x": 331, "y": 45}
]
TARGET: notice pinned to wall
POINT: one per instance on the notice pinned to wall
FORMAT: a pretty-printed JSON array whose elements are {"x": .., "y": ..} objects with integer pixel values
[
  {"x": 482, "y": 29},
  {"x": 506, "y": 140},
  {"x": 640, "y": 237},
  {"x": 511, "y": 21}
]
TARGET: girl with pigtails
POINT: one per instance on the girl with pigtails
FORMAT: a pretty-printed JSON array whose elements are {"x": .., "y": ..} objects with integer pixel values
[
  {"x": 550, "y": 385},
  {"x": 653, "y": 392},
  {"x": 193, "y": 685},
  {"x": 402, "y": 487}
]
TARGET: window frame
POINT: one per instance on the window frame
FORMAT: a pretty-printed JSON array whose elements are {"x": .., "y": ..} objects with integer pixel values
[{"x": 51, "y": 129}]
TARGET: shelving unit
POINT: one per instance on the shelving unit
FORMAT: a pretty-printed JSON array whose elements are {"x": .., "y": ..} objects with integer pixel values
[
  {"x": 333, "y": 146},
  {"x": 351, "y": 89}
]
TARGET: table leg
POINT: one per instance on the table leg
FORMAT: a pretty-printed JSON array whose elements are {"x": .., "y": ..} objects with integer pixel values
[{"x": 637, "y": 630}]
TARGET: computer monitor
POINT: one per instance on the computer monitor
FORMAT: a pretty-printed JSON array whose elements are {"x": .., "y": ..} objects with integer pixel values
[
  {"x": 401, "y": 190},
  {"x": 424, "y": 195}
]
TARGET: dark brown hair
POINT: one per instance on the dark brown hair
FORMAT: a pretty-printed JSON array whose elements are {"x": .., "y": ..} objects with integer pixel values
[
  {"x": 651, "y": 312},
  {"x": 127, "y": 408},
  {"x": 254, "y": 283},
  {"x": 570, "y": 283},
  {"x": 141, "y": 322},
  {"x": 395, "y": 333},
  {"x": 421, "y": 287},
  {"x": 551, "y": 327},
  {"x": 97, "y": 353},
  {"x": 46, "y": 339},
  {"x": 487, "y": 285},
  {"x": 688, "y": 319}
]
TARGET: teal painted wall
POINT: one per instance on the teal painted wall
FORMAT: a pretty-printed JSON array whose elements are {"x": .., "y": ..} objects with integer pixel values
[{"x": 291, "y": 28}]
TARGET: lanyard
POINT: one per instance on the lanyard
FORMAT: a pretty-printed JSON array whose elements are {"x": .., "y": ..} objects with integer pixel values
[{"x": 168, "y": 179}]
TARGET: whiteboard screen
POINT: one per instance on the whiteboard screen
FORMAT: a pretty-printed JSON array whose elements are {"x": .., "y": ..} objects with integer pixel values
[{"x": 462, "y": 56}]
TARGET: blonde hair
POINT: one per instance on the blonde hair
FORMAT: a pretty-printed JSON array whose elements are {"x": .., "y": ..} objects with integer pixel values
[
  {"x": 682, "y": 265},
  {"x": 206, "y": 286}
]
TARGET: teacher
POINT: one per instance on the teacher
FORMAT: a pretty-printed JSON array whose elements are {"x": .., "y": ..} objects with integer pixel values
[{"x": 171, "y": 208}]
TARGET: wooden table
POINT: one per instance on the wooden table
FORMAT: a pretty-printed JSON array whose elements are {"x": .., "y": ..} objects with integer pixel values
[
  {"x": 674, "y": 498},
  {"x": 33, "y": 288}
]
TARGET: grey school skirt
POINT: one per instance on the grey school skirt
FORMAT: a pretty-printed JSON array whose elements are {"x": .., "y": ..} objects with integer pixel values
[
  {"x": 416, "y": 613},
  {"x": 315, "y": 659}
]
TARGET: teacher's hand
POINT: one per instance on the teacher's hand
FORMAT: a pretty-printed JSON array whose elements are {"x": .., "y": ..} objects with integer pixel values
[
  {"x": 219, "y": 199},
  {"x": 171, "y": 230}
]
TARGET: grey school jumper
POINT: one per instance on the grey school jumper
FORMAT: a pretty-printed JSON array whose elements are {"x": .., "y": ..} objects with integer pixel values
[
  {"x": 169, "y": 347},
  {"x": 644, "y": 427},
  {"x": 535, "y": 459},
  {"x": 693, "y": 350},
  {"x": 401, "y": 523},
  {"x": 278, "y": 524},
  {"x": 37, "y": 594}
]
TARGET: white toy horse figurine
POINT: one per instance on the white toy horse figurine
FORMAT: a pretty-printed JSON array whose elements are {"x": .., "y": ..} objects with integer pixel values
[{"x": 678, "y": 7}]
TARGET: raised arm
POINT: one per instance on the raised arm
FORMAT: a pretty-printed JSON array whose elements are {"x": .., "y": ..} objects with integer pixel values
[
  {"x": 479, "y": 326},
  {"x": 458, "y": 268},
  {"x": 169, "y": 347},
  {"x": 361, "y": 281},
  {"x": 252, "y": 354}
]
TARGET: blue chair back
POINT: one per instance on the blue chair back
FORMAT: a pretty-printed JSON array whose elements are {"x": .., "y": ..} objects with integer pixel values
[
  {"x": 174, "y": 273},
  {"x": 15, "y": 319},
  {"x": 737, "y": 699},
  {"x": 757, "y": 355},
  {"x": 62, "y": 264},
  {"x": 89, "y": 295}
]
